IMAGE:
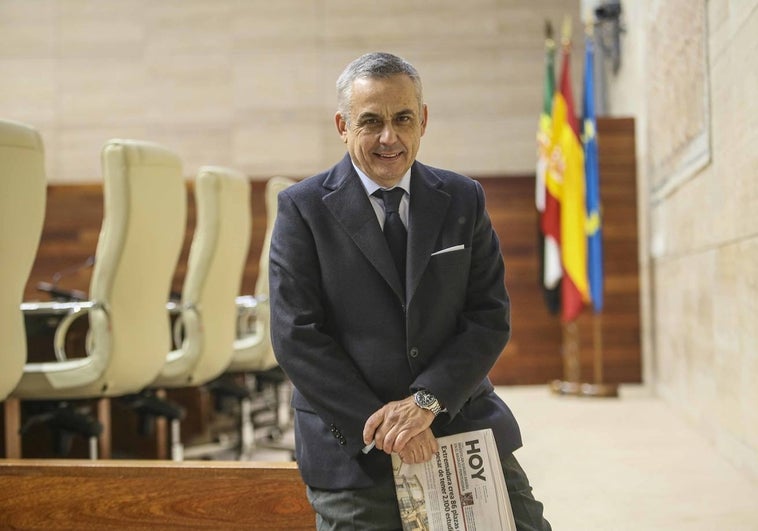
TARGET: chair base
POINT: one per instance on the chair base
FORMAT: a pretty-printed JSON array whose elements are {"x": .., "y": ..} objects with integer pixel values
[
  {"x": 259, "y": 403},
  {"x": 152, "y": 405},
  {"x": 65, "y": 421}
]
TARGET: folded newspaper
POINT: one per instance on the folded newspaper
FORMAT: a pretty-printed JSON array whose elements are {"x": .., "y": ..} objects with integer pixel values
[{"x": 461, "y": 487}]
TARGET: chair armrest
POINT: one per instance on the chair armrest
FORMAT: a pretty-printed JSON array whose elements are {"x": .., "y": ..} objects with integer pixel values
[
  {"x": 249, "y": 301},
  {"x": 252, "y": 319},
  {"x": 187, "y": 338},
  {"x": 247, "y": 311},
  {"x": 177, "y": 312},
  {"x": 71, "y": 311}
]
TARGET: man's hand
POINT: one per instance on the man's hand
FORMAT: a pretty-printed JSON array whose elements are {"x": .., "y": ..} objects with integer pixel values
[
  {"x": 393, "y": 425},
  {"x": 420, "y": 449}
]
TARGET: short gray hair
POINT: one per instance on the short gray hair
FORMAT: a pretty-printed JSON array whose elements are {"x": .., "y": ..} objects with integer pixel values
[{"x": 374, "y": 65}]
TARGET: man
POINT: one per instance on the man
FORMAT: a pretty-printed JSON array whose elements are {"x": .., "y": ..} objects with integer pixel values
[{"x": 387, "y": 349}]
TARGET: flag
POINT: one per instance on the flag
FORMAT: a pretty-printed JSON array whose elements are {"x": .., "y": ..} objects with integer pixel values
[
  {"x": 594, "y": 225},
  {"x": 547, "y": 204},
  {"x": 566, "y": 175}
]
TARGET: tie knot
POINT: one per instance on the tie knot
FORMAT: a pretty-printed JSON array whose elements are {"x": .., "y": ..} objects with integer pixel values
[{"x": 391, "y": 198}]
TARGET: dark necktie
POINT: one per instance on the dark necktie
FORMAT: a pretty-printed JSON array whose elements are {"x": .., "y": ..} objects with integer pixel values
[{"x": 394, "y": 230}]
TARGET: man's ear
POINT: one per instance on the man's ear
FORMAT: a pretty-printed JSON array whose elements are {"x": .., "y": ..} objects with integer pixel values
[
  {"x": 424, "y": 118},
  {"x": 341, "y": 126}
]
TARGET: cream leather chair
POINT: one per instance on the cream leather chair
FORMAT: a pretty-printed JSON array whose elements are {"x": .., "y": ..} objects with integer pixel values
[
  {"x": 22, "y": 212},
  {"x": 252, "y": 349},
  {"x": 253, "y": 353},
  {"x": 137, "y": 251},
  {"x": 205, "y": 329}
]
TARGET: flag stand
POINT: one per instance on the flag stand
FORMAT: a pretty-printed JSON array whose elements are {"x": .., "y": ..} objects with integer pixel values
[{"x": 573, "y": 385}]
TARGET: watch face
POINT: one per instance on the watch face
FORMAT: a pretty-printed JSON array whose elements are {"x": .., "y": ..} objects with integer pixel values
[{"x": 424, "y": 399}]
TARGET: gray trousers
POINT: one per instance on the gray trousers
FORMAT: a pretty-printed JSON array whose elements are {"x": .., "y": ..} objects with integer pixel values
[{"x": 375, "y": 508}]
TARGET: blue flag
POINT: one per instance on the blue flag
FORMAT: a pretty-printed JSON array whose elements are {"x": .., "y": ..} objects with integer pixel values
[{"x": 594, "y": 224}]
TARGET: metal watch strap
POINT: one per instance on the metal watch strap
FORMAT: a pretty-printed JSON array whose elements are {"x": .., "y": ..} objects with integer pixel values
[{"x": 426, "y": 400}]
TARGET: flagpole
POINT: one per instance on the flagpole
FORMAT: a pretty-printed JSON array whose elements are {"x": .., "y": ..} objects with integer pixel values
[
  {"x": 598, "y": 388},
  {"x": 597, "y": 340},
  {"x": 571, "y": 384},
  {"x": 572, "y": 367}
]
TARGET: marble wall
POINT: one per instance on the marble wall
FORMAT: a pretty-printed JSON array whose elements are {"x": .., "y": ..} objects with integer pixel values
[
  {"x": 698, "y": 170},
  {"x": 250, "y": 83}
]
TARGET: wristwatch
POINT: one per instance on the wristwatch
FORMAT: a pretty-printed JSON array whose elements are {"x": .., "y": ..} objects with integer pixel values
[{"x": 426, "y": 400}]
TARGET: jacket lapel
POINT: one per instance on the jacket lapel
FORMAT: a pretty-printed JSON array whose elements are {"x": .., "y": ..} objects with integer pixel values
[
  {"x": 428, "y": 206},
  {"x": 350, "y": 206}
]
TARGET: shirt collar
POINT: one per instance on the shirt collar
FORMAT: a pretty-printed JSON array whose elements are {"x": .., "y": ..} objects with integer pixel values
[{"x": 371, "y": 186}]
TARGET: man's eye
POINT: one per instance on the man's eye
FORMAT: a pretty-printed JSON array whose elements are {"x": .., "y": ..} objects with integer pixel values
[{"x": 372, "y": 124}]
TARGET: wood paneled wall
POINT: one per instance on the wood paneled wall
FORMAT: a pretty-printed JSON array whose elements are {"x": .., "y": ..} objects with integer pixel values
[
  {"x": 534, "y": 353},
  {"x": 533, "y": 356}
]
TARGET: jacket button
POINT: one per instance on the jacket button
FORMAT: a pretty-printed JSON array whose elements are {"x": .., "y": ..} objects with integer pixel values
[{"x": 414, "y": 352}]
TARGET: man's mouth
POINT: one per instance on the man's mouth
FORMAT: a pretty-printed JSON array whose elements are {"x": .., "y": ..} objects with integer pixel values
[{"x": 388, "y": 156}]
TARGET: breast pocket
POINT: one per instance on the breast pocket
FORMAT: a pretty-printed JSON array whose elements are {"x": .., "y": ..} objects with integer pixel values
[{"x": 449, "y": 270}]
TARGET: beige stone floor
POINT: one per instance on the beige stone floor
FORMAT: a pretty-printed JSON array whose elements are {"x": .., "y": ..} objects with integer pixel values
[{"x": 626, "y": 464}]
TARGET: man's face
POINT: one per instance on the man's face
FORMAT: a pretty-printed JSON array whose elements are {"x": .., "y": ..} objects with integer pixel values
[{"x": 385, "y": 129}]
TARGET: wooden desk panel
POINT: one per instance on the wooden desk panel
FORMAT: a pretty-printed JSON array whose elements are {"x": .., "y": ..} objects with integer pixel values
[{"x": 75, "y": 494}]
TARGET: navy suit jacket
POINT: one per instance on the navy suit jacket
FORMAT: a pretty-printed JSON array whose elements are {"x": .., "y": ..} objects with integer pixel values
[{"x": 350, "y": 340}]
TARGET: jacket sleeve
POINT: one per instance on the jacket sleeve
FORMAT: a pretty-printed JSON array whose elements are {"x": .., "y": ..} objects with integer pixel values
[{"x": 302, "y": 347}]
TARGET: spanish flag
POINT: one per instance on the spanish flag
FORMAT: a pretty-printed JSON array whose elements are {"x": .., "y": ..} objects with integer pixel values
[
  {"x": 546, "y": 201},
  {"x": 566, "y": 176}
]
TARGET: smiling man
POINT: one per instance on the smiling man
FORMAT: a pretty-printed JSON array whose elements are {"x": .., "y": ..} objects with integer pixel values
[
  {"x": 388, "y": 307},
  {"x": 385, "y": 134}
]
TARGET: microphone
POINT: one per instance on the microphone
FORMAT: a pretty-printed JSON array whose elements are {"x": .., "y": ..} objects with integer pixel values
[{"x": 66, "y": 294}]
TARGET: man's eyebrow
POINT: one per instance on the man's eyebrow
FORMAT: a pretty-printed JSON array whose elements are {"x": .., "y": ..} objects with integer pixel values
[
  {"x": 366, "y": 115},
  {"x": 369, "y": 114}
]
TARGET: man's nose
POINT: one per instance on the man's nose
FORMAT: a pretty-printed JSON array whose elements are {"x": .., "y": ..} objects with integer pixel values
[{"x": 388, "y": 135}]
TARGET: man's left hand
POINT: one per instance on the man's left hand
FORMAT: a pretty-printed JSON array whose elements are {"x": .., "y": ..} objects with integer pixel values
[{"x": 393, "y": 425}]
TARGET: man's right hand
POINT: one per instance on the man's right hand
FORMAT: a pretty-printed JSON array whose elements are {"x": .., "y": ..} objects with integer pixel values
[{"x": 420, "y": 448}]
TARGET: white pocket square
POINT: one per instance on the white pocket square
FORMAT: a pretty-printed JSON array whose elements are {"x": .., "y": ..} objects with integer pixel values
[{"x": 449, "y": 249}]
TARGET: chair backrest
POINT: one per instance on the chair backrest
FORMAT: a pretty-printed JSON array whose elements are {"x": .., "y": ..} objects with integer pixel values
[
  {"x": 22, "y": 213},
  {"x": 255, "y": 353},
  {"x": 216, "y": 263},
  {"x": 145, "y": 212}
]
